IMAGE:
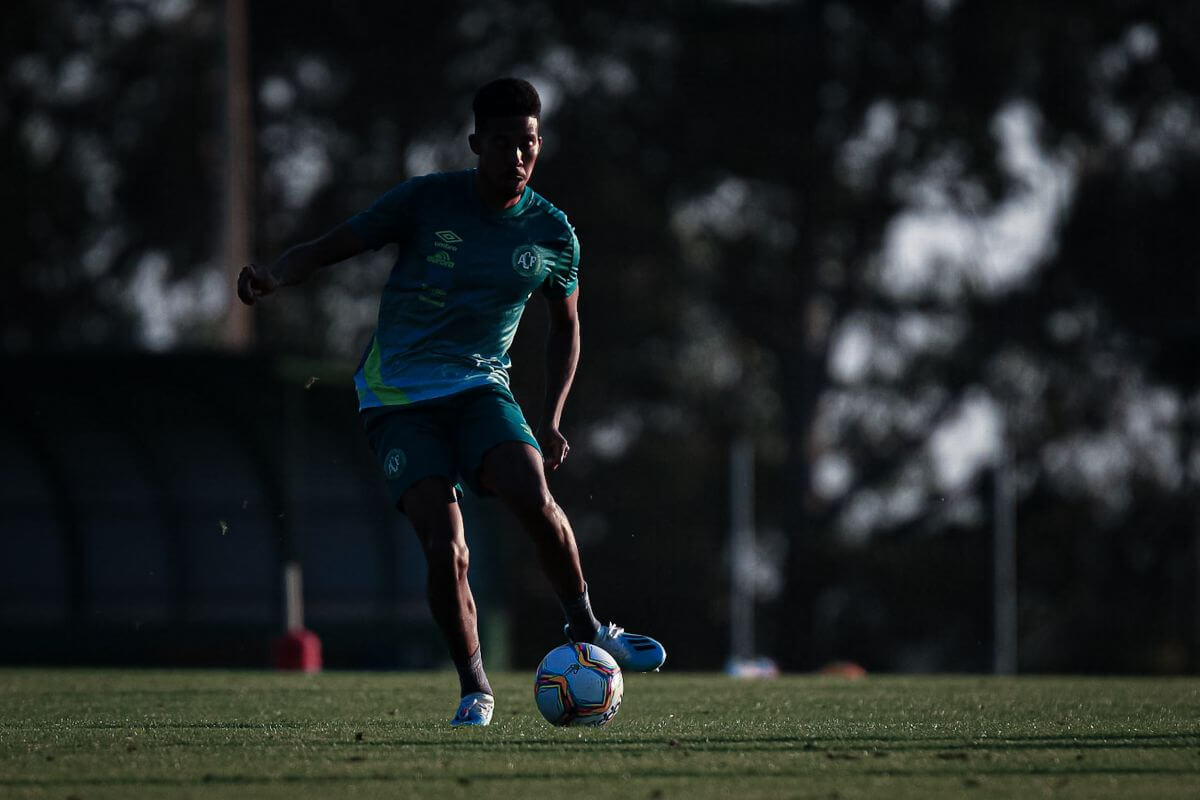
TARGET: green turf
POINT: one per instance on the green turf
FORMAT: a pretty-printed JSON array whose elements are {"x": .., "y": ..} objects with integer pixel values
[{"x": 187, "y": 734}]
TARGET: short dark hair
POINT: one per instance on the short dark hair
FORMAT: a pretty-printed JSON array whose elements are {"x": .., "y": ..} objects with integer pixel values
[{"x": 506, "y": 97}]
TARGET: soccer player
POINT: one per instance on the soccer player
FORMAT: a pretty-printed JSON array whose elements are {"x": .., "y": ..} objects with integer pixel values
[{"x": 433, "y": 385}]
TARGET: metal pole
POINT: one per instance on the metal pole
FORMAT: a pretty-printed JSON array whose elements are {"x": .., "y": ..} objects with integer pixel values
[
  {"x": 293, "y": 597},
  {"x": 238, "y": 331},
  {"x": 741, "y": 549},
  {"x": 1196, "y": 601},
  {"x": 1004, "y": 565}
]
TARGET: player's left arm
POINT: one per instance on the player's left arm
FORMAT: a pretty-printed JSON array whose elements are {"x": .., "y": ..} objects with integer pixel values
[{"x": 562, "y": 357}]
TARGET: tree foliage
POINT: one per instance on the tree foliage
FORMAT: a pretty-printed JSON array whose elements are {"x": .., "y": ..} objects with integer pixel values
[{"x": 901, "y": 245}]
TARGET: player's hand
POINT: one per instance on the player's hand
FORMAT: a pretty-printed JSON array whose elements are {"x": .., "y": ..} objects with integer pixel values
[
  {"x": 255, "y": 282},
  {"x": 554, "y": 448}
]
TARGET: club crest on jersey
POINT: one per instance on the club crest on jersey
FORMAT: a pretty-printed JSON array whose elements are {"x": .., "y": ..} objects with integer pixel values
[
  {"x": 527, "y": 261},
  {"x": 394, "y": 463}
]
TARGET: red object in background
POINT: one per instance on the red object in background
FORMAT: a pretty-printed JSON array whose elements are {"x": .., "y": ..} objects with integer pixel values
[
  {"x": 844, "y": 669},
  {"x": 297, "y": 650}
]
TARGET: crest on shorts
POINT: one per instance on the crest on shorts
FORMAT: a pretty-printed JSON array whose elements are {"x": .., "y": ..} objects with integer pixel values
[
  {"x": 527, "y": 260},
  {"x": 393, "y": 465}
]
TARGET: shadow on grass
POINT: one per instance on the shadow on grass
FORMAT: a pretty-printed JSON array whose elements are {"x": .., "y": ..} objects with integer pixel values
[
  {"x": 507, "y": 776},
  {"x": 483, "y": 740},
  {"x": 1100, "y": 741}
]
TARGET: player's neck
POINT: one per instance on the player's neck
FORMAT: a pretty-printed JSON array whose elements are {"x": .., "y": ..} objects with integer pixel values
[{"x": 494, "y": 198}]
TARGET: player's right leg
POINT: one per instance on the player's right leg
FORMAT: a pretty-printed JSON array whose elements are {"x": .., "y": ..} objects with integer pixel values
[
  {"x": 417, "y": 464},
  {"x": 432, "y": 508}
]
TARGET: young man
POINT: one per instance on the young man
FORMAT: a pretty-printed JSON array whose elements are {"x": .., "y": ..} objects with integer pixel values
[{"x": 433, "y": 385}]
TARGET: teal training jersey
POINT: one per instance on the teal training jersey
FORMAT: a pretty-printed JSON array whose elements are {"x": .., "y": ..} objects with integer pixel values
[{"x": 452, "y": 303}]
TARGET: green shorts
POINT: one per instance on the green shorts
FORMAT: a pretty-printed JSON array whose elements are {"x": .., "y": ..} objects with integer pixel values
[{"x": 445, "y": 437}]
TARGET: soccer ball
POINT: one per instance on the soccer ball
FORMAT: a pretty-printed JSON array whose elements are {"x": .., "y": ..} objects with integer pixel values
[{"x": 578, "y": 684}]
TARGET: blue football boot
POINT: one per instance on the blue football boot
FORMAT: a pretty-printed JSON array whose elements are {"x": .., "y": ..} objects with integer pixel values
[{"x": 631, "y": 651}]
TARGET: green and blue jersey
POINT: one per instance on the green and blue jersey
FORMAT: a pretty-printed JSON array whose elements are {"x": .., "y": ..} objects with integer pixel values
[{"x": 455, "y": 296}]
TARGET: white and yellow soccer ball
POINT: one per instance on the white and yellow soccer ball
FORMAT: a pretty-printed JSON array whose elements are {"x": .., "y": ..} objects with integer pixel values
[{"x": 578, "y": 684}]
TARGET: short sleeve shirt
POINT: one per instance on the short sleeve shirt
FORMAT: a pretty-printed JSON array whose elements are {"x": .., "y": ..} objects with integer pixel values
[{"x": 454, "y": 298}]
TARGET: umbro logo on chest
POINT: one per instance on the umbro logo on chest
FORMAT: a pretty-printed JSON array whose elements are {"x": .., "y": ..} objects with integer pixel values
[{"x": 446, "y": 240}]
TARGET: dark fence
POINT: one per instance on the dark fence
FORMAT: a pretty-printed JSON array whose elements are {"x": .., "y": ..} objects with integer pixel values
[{"x": 147, "y": 504}]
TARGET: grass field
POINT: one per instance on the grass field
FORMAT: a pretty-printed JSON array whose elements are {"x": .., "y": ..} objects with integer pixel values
[{"x": 88, "y": 734}]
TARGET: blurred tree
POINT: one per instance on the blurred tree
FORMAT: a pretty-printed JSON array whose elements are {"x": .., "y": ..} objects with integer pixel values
[
  {"x": 1015, "y": 299},
  {"x": 111, "y": 118},
  {"x": 890, "y": 241}
]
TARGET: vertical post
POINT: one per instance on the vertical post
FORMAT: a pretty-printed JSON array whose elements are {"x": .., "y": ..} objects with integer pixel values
[
  {"x": 238, "y": 331},
  {"x": 298, "y": 648},
  {"x": 1196, "y": 601},
  {"x": 1004, "y": 566},
  {"x": 293, "y": 597},
  {"x": 741, "y": 549}
]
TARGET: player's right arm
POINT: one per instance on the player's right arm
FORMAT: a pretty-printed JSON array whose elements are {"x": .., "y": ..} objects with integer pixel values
[{"x": 299, "y": 263}]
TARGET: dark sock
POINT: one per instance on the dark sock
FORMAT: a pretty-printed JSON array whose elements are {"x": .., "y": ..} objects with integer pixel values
[
  {"x": 578, "y": 611},
  {"x": 471, "y": 677}
]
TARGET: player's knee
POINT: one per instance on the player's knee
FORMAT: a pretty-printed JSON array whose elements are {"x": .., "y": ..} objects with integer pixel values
[
  {"x": 447, "y": 555},
  {"x": 513, "y": 472},
  {"x": 530, "y": 500}
]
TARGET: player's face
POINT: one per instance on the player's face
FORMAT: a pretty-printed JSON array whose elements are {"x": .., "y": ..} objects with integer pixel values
[{"x": 508, "y": 148}]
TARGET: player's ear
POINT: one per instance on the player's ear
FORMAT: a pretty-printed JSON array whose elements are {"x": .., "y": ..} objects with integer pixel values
[{"x": 473, "y": 141}]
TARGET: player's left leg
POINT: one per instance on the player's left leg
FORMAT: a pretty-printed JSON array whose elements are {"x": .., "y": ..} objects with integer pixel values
[{"x": 513, "y": 471}]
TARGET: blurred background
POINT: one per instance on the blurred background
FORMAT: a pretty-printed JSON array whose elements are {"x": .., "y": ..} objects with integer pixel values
[{"x": 890, "y": 327}]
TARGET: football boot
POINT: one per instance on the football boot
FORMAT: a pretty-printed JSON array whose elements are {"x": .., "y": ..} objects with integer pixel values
[
  {"x": 631, "y": 651},
  {"x": 474, "y": 709}
]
